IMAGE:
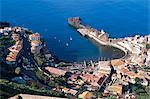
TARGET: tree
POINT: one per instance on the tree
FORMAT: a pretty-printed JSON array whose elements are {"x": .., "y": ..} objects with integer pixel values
[
  {"x": 51, "y": 84},
  {"x": 138, "y": 80},
  {"x": 147, "y": 46},
  {"x": 10, "y": 89}
]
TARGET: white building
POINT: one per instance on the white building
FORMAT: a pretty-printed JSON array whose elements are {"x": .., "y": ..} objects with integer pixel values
[{"x": 35, "y": 36}]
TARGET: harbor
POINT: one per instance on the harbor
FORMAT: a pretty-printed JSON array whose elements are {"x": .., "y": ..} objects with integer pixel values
[
  {"x": 102, "y": 53},
  {"x": 129, "y": 45},
  {"x": 122, "y": 71}
]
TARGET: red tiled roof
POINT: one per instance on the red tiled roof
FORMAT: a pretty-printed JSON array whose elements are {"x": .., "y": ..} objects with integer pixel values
[
  {"x": 56, "y": 71},
  {"x": 35, "y": 35},
  {"x": 131, "y": 74},
  {"x": 117, "y": 62},
  {"x": 90, "y": 78}
]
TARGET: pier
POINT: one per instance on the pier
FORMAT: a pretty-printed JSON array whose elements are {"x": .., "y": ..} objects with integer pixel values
[
  {"x": 99, "y": 36},
  {"x": 129, "y": 45}
]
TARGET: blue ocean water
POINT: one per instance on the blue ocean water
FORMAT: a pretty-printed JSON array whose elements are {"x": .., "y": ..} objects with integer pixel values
[{"x": 119, "y": 18}]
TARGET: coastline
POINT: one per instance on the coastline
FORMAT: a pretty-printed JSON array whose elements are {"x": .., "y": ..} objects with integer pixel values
[
  {"x": 70, "y": 79},
  {"x": 100, "y": 36},
  {"x": 110, "y": 45}
]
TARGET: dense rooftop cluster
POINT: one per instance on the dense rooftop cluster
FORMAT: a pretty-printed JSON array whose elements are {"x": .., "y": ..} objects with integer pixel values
[
  {"x": 38, "y": 68},
  {"x": 133, "y": 68}
]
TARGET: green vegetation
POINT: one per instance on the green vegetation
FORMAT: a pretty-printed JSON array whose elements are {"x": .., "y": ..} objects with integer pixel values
[
  {"x": 51, "y": 81},
  {"x": 144, "y": 96},
  {"x": 40, "y": 59},
  {"x": 98, "y": 94},
  {"x": 42, "y": 76},
  {"x": 52, "y": 84},
  {"x": 112, "y": 97},
  {"x": 6, "y": 71},
  {"x": 143, "y": 92},
  {"x": 138, "y": 80},
  {"x": 28, "y": 32},
  {"x": 1, "y": 57},
  {"x": 5, "y": 41},
  {"x": 147, "y": 46},
  {"x": 9, "y": 89}
]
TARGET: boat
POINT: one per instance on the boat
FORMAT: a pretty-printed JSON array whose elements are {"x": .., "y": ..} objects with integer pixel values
[
  {"x": 70, "y": 38},
  {"x": 67, "y": 44}
]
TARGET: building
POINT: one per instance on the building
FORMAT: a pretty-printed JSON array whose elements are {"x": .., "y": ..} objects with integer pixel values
[
  {"x": 115, "y": 89},
  {"x": 131, "y": 74},
  {"x": 69, "y": 91},
  {"x": 56, "y": 71},
  {"x": 35, "y": 36},
  {"x": 103, "y": 68},
  {"x": 35, "y": 47},
  {"x": 28, "y": 96},
  {"x": 86, "y": 95},
  {"x": 35, "y": 43},
  {"x": 117, "y": 62},
  {"x": 14, "y": 50},
  {"x": 94, "y": 80}
]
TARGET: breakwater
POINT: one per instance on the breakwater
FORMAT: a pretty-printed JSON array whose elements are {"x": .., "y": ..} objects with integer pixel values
[{"x": 99, "y": 36}]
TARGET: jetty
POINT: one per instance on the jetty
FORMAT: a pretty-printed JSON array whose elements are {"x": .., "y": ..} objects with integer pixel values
[
  {"x": 99, "y": 36},
  {"x": 130, "y": 45}
]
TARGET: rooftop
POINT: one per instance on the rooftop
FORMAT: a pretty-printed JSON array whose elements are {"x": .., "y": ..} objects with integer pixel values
[
  {"x": 28, "y": 96},
  {"x": 56, "y": 71},
  {"x": 117, "y": 62}
]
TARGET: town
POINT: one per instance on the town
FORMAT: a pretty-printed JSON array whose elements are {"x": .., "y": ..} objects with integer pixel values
[{"x": 29, "y": 69}]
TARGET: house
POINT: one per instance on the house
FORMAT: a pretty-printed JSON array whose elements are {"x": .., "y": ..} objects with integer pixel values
[
  {"x": 115, "y": 89},
  {"x": 131, "y": 74},
  {"x": 117, "y": 62},
  {"x": 69, "y": 91},
  {"x": 86, "y": 95},
  {"x": 35, "y": 43},
  {"x": 56, "y": 71},
  {"x": 103, "y": 67},
  {"x": 11, "y": 57},
  {"x": 35, "y": 47},
  {"x": 35, "y": 36},
  {"x": 94, "y": 80},
  {"x": 28, "y": 96},
  {"x": 14, "y": 50},
  {"x": 142, "y": 74},
  {"x": 139, "y": 60},
  {"x": 73, "y": 77},
  {"x": 123, "y": 70}
]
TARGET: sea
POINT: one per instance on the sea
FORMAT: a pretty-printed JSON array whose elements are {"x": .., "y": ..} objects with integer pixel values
[{"x": 119, "y": 18}]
